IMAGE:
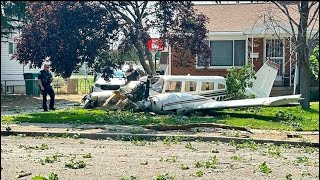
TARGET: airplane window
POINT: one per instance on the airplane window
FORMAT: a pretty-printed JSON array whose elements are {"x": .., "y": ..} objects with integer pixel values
[
  {"x": 190, "y": 86},
  {"x": 221, "y": 86},
  {"x": 173, "y": 86},
  {"x": 205, "y": 86}
]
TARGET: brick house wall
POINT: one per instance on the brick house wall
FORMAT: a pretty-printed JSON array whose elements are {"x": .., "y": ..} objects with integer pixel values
[{"x": 258, "y": 46}]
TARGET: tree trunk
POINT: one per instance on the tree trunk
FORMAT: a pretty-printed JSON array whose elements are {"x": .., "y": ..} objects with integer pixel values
[
  {"x": 148, "y": 68},
  {"x": 303, "y": 56},
  {"x": 142, "y": 58}
]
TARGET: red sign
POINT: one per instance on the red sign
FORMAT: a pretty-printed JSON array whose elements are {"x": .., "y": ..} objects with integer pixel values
[{"x": 155, "y": 44}]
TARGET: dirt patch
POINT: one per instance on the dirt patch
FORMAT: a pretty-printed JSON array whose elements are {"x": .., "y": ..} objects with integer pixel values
[
  {"x": 148, "y": 160},
  {"x": 13, "y": 104}
]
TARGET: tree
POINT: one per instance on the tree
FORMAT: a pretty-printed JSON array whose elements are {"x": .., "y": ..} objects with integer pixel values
[
  {"x": 75, "y": 32},
  {"x": 70, "y": 33},
  {"x": 12, "y": 17},
  {"x": 176, "y": 22},
  {"x": 305, "y": 33}
]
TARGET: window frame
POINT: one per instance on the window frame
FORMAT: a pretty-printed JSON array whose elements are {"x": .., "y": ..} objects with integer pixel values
[
  {"x": 14, "y": 48},
  {"x": 233, "y": 39}
]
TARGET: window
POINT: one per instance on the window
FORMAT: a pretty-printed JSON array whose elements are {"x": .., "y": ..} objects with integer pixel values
[
  {"x": 205, "y": 86},
  {"x": 226, "y": 53},
  {"x": 12, "y": 47},
  {"x": 221, "y": 86},
  {"x": 190, "y": 86},
  {"x": 173, "y": 86},
  {"x": 221, "y": 53}
]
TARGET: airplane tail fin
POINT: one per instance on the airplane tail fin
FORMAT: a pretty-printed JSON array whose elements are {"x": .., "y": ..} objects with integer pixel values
[{"x": 265, "y": 77}]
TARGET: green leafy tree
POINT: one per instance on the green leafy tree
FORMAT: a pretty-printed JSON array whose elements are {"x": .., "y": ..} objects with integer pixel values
[
  {"x": 238, "y": 80},
  {"x": 69, "y": 32},
  {"x": 12, "y": 17},
  {"x": 75, "y": 32},
  {"x": 314, "y": 63}
]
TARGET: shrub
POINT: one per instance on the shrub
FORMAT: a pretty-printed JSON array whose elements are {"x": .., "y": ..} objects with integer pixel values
[{"x": 238, "y": 80}]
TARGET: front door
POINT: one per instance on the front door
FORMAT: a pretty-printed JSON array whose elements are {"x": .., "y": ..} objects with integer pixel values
[{"x": 275, "y": 52}]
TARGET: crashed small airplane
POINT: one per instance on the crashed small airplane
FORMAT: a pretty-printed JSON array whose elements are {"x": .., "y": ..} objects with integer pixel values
[{"x": 190, "y": 93}]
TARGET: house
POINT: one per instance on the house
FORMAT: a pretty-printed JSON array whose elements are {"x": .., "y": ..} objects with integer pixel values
[
  {"x": 240, "y": 34},
  {"x": 12, "y": 80}
]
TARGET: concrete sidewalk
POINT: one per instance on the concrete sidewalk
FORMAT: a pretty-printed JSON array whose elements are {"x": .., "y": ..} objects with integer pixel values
[{"x": 92, "y": 131}]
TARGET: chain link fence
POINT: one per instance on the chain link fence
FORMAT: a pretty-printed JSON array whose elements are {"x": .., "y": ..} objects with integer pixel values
[{"x": 59, "y": 85}]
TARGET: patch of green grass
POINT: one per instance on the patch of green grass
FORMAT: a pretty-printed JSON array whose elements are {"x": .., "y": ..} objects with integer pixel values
[
  {"x": 172, "y": 159},
  {"x": 52, "y": 176},
  {"x": 276, "y": 118},
  {"x": 248, "y": 144},
  {"x": 199, "y": 173},
  {"x": 274, "y": 151},
  {"x": 184, "y": 167},
  {"x": 236, "y": 158},
  {"x": 165, "y": 176},
  {"x": 172, "y": 140},
  {"x": 88, "y": 155},
  {"x": 75, "y": 164},
  {"x": 264, "y": 168},
  {"x": 189, "y": 146},
  {"x": 41, "y": 147}
]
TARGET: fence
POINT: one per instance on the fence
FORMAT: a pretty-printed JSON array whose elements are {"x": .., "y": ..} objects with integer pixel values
[{"x": 60, "y": 86}]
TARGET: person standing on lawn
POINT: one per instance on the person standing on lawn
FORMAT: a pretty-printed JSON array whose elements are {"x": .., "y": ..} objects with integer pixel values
[{"x": 45, "y": 78}]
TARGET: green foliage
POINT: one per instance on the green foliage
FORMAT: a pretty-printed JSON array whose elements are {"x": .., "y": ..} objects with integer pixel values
[
  {"x": 238, "y": 80},
  {"x": 88, "y": 155},
  {"x": 314, "y": 63},
  {"x": 290, "y": 119},
  {"x": 273, "y": 150},
  {"x": 184, "y": 167},
  {"x": 52, "y": 176},
  {"x": 12, "y": 17},
  {"x": 265, "y": 118},
  {"x": 248, "y": 144},
  {"x": 75, "y": 164},
  {"x": 264, "y": 168},
  {"x": 199, "y": 173},
  {"x": 165, "y": 176},
  {"x": 289, "y": 177},
  {"x": 211, "y": 163},
  {"x": 69, "y": 32}
]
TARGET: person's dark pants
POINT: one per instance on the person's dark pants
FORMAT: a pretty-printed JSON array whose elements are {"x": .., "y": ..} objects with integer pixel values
[{"x": 45, "y": 92}]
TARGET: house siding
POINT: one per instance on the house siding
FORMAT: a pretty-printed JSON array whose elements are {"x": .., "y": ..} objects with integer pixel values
[{"x": 12, "y": 71}]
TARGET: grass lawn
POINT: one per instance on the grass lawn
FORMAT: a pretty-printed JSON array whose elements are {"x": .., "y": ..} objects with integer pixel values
[{"x": 276, "y": 118}]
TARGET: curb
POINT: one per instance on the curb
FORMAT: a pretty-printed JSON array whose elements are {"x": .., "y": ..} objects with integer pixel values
[{"x": 128, "y": 136}]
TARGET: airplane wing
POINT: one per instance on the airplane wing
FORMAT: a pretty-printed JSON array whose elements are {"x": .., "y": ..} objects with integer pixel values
[
  {"x": 188, "y": 102},
  {"x": 269, "y": 101}
]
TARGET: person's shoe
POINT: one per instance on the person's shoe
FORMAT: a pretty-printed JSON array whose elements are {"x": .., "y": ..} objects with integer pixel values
[
  {"x": 52, "y": 109},
  {"x": 45, "y": 110}
]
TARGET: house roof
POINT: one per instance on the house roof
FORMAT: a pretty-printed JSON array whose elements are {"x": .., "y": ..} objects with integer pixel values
[{"x": 243, "y": 16}]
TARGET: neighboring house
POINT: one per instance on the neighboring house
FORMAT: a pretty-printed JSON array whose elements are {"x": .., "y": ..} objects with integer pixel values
[
  {"x": 12, "y": 80},
  {"x": 240, "y": 34}
]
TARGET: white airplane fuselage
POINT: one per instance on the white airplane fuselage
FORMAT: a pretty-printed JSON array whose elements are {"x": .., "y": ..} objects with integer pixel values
[{"x": 213, "y": 87}]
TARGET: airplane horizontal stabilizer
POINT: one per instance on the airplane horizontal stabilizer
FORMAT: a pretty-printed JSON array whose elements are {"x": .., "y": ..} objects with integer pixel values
[{"x": 270, "y": 101}]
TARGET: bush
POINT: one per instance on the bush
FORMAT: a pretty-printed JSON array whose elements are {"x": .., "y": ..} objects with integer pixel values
[{"x": 238, "y": 80}]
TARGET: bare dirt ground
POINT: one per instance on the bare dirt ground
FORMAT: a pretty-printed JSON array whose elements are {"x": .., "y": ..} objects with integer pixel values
[
  {"x": 13, "y": 104},
  {"x": 147, "y": 160}
]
